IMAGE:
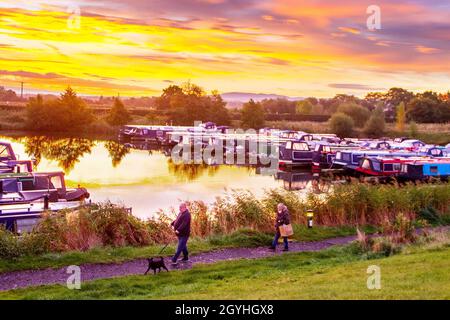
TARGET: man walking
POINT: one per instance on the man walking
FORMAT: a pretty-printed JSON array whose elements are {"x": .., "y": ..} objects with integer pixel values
[{"x": 182, "y": 228}]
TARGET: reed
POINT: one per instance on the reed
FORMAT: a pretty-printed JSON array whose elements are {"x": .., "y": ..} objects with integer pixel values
[{"x": 356, "y": 204}]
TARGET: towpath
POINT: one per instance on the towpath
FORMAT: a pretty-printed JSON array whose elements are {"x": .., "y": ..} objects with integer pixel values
[{"x": 28, "y": 278}]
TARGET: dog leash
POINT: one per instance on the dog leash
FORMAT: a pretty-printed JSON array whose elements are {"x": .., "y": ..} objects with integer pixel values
[{"x": 163, "y": 248}]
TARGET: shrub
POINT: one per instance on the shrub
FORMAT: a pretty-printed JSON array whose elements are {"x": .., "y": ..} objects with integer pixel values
[
  {"x": 376, "y": 124},
  {"x": 358, "y": 113},
  {"x": 9, "y": 246},
  {"x": 341, "y": 124},
  {"x": 413, "y": 129}
]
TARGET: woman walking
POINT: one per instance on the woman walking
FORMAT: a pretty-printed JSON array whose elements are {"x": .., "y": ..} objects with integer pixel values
[{"x": 281, "y": 219}]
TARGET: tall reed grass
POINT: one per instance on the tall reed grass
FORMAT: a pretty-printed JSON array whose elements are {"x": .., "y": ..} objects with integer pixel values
[{"x": 355, "y": 204}]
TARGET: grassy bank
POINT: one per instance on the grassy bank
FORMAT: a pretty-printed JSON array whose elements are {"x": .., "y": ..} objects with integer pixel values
[
  {"x": 241, "y": 238},
  {"x": 107, "y": 233},
  {"x": 419, "y": 272}
]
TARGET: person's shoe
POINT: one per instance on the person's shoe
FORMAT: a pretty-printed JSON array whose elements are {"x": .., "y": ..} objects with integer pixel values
[
  {"x": 286, "y": 249},
  {"x": 185, "y": 259},
  {"x": 174, "y": 263}
]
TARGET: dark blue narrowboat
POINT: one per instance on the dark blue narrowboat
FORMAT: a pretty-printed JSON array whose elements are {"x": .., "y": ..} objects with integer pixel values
[
  {"x": 295, "y": 153},
  {"x": 324, "y": 153},
  {"x": 426, "y": 169},
  {"x": 349, "y": 159}
]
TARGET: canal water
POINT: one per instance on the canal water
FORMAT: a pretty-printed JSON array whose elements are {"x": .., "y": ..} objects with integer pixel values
[{"x": 145, "y": 180}]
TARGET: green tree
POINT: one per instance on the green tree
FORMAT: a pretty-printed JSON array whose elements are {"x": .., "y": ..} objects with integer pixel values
[
  {"x": 376, "y": 124},
  {"x": 424, "y": 109},
  {"x": 359, "y": 114},
  {"x": 401, "y": 117},
  {"x": 68, "y": 113},
  {"x": 252, "y": 115},
  {"x": 304, "y": 107},
  {"x": 118, "y": 115},
  {"x": 341, "y": 124},
  {"x": 185, "y": 104}
]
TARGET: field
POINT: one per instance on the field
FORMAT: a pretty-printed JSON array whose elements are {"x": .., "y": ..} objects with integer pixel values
[{"x": 336, "y": 273}]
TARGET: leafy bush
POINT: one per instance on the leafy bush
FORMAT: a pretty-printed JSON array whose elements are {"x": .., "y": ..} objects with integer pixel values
[
  {"x": 376, "y": 124},
  {"x": 358, "y": 113},
  {"x": 341, "y": 124}
]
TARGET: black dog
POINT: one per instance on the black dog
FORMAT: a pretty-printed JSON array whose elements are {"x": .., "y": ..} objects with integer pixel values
[{"x": 156, "y": 264}]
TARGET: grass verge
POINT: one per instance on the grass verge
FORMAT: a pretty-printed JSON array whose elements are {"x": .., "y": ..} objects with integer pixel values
[
  {"x": 241, "y": 238},
  {"x": 335, "y": 273}
]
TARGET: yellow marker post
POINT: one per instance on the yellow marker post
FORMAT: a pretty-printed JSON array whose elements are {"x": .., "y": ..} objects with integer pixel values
[{"x": 309, "y": 216}]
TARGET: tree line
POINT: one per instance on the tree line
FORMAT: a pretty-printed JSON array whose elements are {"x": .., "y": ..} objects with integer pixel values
[{"x": 184, "y": 104}]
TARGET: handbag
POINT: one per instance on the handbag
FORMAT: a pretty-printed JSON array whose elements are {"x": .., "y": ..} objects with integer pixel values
[{"x": 286, "y": 230}]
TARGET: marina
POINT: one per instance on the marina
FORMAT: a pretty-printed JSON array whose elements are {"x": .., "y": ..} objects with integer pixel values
[{"x": 141, "y": 170}]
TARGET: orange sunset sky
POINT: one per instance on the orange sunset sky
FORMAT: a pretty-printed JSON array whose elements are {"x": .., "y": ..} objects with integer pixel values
[{"x": 289, "y": 47}]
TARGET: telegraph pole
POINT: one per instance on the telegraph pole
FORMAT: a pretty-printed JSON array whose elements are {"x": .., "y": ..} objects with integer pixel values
[{"x": 21, "y": 90}]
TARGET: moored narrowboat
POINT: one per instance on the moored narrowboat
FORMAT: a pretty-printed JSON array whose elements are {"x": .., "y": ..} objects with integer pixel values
[
  {"x": 426, "y": 169},
  {"x": 26, "y": 195},
  {"x": 382, "y": 166},
  {"x": 295, "y": 153}
]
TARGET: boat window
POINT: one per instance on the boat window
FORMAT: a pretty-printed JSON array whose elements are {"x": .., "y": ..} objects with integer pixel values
[
  {"x": 388, "y": 167},
  {"x": 397, "y": 166},
  {"x": 338, "y": 155},
  {"x": 289, "y": 145},
  {"x": 356, "y": 158},
  {"x": 346, "y": 157},
  {"x": 436, "y": 152},
  {"x": 307, "y": 138},
  {"x": 326, "y": 149},
  {"x": 4, "y": 152},
  {"x": 56, "y": 182},
  {"x": 433, "y": 169},
  {"x": 317, "y": 148},
  {"x": 376, "y": 166},
  {"x": 417, "y": 144},
  {"x": 404, "y": 168},
  {"x": 300, "y": 146},
  {"x": 366, "y": 164}
]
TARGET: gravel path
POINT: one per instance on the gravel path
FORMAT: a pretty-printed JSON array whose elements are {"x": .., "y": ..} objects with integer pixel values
[{"x": 28, "y": 278}]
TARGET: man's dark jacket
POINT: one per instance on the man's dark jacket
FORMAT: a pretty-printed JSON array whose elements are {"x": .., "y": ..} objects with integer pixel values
[{"x": 183, "y": 224}]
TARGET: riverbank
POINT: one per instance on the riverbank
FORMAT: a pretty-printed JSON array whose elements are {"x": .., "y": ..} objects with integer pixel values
[
  {"x": 244, "y": 238},
  {"x": 104, "y": 233},
  {"x": 418, "y": 271},
  {"x": 13, "y": 280}
]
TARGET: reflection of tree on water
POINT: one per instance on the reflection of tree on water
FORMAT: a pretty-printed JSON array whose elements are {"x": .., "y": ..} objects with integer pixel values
[
  {"x": 190, "y": 171},
  {"x": 66, "y": 151},
  {"x": 300, "y": 180},
  {"x": 117, "y": 152}
]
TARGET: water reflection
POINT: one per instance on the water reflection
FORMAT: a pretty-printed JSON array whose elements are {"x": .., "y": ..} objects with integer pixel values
[
  {"x": 117, "y": 152},
  {"x": 144, "y": 177},
  {"x": 66, "y": 152},
  {"x": 190, "y": 172}
]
